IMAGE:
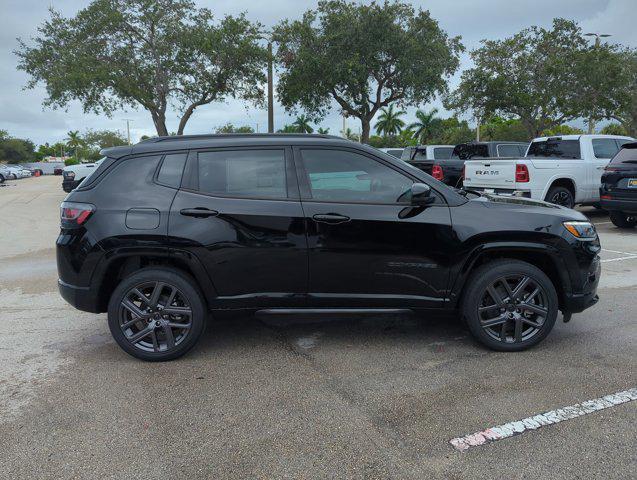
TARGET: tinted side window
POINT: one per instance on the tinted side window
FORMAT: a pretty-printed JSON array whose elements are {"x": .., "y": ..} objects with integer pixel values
[
  {"x": 604, "y": 147},
  {"x": 555, "y": 147},
  {"x": 342, "y": 176},
  {"x": 442, "y": 153},
  {"x": 243, "y": 173},
  {"x": 171, "y": 169},
  {"x": 508, "y": 151}
]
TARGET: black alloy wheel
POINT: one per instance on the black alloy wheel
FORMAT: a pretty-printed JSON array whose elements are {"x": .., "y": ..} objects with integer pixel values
[
  {"x": 561, "y": 196},
  {"x": 513, "y": 309},
  {"x": 509, "y": 305},
  {"x": 156, "y": 314}
]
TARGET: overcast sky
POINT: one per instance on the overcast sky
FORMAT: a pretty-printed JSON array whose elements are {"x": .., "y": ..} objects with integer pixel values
[{"x": 21, "y": 111}]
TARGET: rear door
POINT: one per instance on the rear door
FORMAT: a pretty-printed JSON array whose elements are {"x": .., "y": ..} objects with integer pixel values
[
  {"x": 367, "y": 246},
  {"x": 238, "y": 212}
]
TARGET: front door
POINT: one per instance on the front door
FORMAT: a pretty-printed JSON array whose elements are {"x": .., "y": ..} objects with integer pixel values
[
  {"x": 367, "y": 246},
  {"x": 238, "y": 212}
]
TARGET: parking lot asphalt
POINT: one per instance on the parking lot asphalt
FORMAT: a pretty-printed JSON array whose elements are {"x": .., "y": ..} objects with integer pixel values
[{"x": 291, "y": 397}]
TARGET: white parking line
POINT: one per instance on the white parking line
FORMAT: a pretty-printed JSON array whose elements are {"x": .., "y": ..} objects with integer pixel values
[
  {"x": 601, "y": 223},
  {"x": 548, "y": 418},
  {"x": 617, "y": 251},
  {"x": 631, "y": 257}
]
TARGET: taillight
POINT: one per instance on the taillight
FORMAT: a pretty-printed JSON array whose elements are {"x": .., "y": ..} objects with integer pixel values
[
  {"x": 521, "y": 173},
  {"x": 437, "y": 173},
  {"x": 605, "y": 197},
  {"x": 74, "y": 214},
  {"x": 611, "y": 169}
]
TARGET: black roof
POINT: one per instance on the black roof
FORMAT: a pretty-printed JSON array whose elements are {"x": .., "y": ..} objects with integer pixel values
[{"x": 183, "y": 142}]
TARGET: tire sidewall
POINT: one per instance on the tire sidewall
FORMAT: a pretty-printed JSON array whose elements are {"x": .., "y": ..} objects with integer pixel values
[
  {"x": 170, "y": 276},
  {"x": 554, "y": 190},
  {"x": 489, "y": 273}
]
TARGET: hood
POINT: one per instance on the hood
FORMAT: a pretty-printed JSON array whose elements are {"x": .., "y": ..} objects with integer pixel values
[{"x": 527, "y": 205}]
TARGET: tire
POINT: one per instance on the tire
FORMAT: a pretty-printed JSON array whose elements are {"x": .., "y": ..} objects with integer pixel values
[
  {"x": 622, "y": 220},
  {"x": 169, "y": 336},
  {"x": 479, "y": 306},
  {"x": 2, "y": 179},
  {"x": 560, "y": 196}
]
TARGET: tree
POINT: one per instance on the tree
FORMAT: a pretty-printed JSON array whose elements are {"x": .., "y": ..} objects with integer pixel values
[
  {"x": 389, "y": 122},
  {"x": 623, "y": 108},
  {"x": 498, "y": 128},
  {"x": 562, "y": 130},
  {"x": 230, "y": 128},
  {"x": 16, "y": 150},
  {"x": 302, "y": 124},
  {"x": 131, "y": 53},
  {"x": 74, "y": 141},
  {"x": 614, "y": 129},
  {"x": 532, "y": 75},
  {"x": 452, "y": 132},
  {"x": 426, "y": 126},
  {"x": 323, "y": 131},
  {"x": 350, "y": 135},
  {"x": 363, "y": 57},
  {"x": 288, "y": 129},
  {"x": 99, "y": 139}
]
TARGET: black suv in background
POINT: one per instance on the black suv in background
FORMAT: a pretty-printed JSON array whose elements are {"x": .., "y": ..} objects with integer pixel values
[
  {"x": 170, "y": 229},
  {"x": 618, "y": 193}
]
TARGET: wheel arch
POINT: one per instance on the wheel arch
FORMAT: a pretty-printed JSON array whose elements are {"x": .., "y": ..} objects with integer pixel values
[
  {"x": 542, "y": 256},
  {"x": 561, "y": 181},
  {"x": 119, "y": 266}
]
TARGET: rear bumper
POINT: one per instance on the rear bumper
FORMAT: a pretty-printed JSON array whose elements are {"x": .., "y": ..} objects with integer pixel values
[
  {"x": 82, "y": 298},
  {"x": 620, "y": 205},
  {"x": 511, "y": 192},
  {"x": 69, "y": 185}
]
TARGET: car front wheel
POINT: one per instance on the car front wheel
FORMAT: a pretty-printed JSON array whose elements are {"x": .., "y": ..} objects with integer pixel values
[
  {"x": 509, "y": 305},
  {"x": 157, "y": 314}
]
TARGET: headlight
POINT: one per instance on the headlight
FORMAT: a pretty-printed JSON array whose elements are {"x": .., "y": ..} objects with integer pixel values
[{"x": 581, "y": 230}]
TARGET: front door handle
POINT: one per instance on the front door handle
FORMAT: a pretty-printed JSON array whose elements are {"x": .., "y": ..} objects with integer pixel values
[
  {"x": 331, "y": 218},
  {"x": 199, "y": 212}
]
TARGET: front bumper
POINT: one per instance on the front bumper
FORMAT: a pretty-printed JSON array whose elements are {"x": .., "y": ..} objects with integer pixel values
[{"x": 578, "y": 302}]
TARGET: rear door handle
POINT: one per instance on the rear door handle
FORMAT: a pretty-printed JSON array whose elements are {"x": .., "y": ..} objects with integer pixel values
[
  {"x": 199, "y": 212},
  {"x": 331, "y": 218}
]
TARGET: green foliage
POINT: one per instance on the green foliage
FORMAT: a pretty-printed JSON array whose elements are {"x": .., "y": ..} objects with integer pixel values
[
  {"x": 230, "y": 128},
  {"x": 389, "y": 122},
  {"x": 302, "y": 124},
  {"x": 99, "y": 139},
  {"x": 16, "y": 150},
  {"x": 498, "y": 128},
  {"x": 544, "y": 77},
  {"x": 426, "y": 126},
  {"x": 562, "y": 130},
  {"x": 71, "y": 161},
  {"x": 323, "y": 131},
  {"x": 350, "y": 135},
  {"x": 623, "y": 107},
  {"x": 288, "y": 129},
  {"x": 452, "y": 132},
  {"x": 363, "y": 56},
  {"x": 118, "y": 53},
  {"x": 614, "y": 129}
]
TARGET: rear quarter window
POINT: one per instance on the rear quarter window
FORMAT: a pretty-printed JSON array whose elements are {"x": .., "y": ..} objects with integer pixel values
[
  {"x": 557, "y": 148},
  {"x": 627, "y": 155},
  {"x": 172, "y": 167}
]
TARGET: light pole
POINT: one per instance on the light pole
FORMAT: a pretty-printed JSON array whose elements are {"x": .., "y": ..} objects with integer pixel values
[
  {"x": 598, "y": 37},
  {"x": 128, "y": 120},
  {"x": 270, "y": 91}
]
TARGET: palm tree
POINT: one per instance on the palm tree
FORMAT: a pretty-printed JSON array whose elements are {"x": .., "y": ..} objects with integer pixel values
[
  {"x": 389, "y": 122},
  {"x": 323, "y": 131},
  {"x": 302, "y": 123},
  {"x": 74, "y": 141},
  {"x": 350, "y": 135},
  {"x": 426, "y": 125},
  {"x": 288, "y": 129}
]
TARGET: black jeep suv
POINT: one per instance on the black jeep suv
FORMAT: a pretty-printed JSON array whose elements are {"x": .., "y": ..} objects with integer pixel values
[
  {"x": 618, "y": 193},
  {"x": 170, "y": 229}
]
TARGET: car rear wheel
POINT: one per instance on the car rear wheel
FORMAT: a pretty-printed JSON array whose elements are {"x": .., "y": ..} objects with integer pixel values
[
  {"x": 156, "y": 314},
  {"x": 561, "y": 196},
  {"x": 2, "y": 178},
  {"x": 509, "y": 305},
  {"x": 623, "y": 220}
]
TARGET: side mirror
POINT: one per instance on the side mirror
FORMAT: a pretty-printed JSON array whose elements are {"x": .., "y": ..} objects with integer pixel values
[{"x": 421, "y": 195}]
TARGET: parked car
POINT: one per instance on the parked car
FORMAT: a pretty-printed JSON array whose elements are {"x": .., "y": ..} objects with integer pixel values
[
  {"x": 395, "y": 152},
  {"x": 562, "y": 170},
  {"x": 450, "y": 171},
  {"x": 58, "y": 170},
  {"x": 73, "y": 175},
  {"x": 4, "y": 173},
  {"x": 618, "y": 193},
  {"x": 174, "y": 227},
  {"x": 17, "y": 171},
  {"x": 423, "y": 156}
]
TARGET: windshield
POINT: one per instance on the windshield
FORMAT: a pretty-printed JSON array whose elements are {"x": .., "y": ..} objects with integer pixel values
[
  {"x": 555, "y": 147},
  {"x": 465, "y": 151}
]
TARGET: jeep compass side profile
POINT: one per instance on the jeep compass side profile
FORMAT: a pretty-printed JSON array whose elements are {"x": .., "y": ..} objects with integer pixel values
[{"x": 173, "y": 228}]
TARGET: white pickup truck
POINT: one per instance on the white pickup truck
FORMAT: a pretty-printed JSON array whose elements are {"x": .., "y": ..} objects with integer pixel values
[
  {"x": 73, "y": 175},
  {"x": 565, "y": 170}
]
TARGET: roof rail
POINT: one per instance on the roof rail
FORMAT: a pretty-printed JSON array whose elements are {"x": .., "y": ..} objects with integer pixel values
[{"x": 176, "y": 138}]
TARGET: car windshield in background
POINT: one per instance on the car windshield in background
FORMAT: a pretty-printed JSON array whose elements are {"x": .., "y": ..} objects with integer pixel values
[
  {"x": 442, "y": 153},
  {"x": 411, "y": 154},
  {"x": 627, "y": 154},
  {"x": 467, "y": 151},
  {"x": 555, "y": 148}
]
